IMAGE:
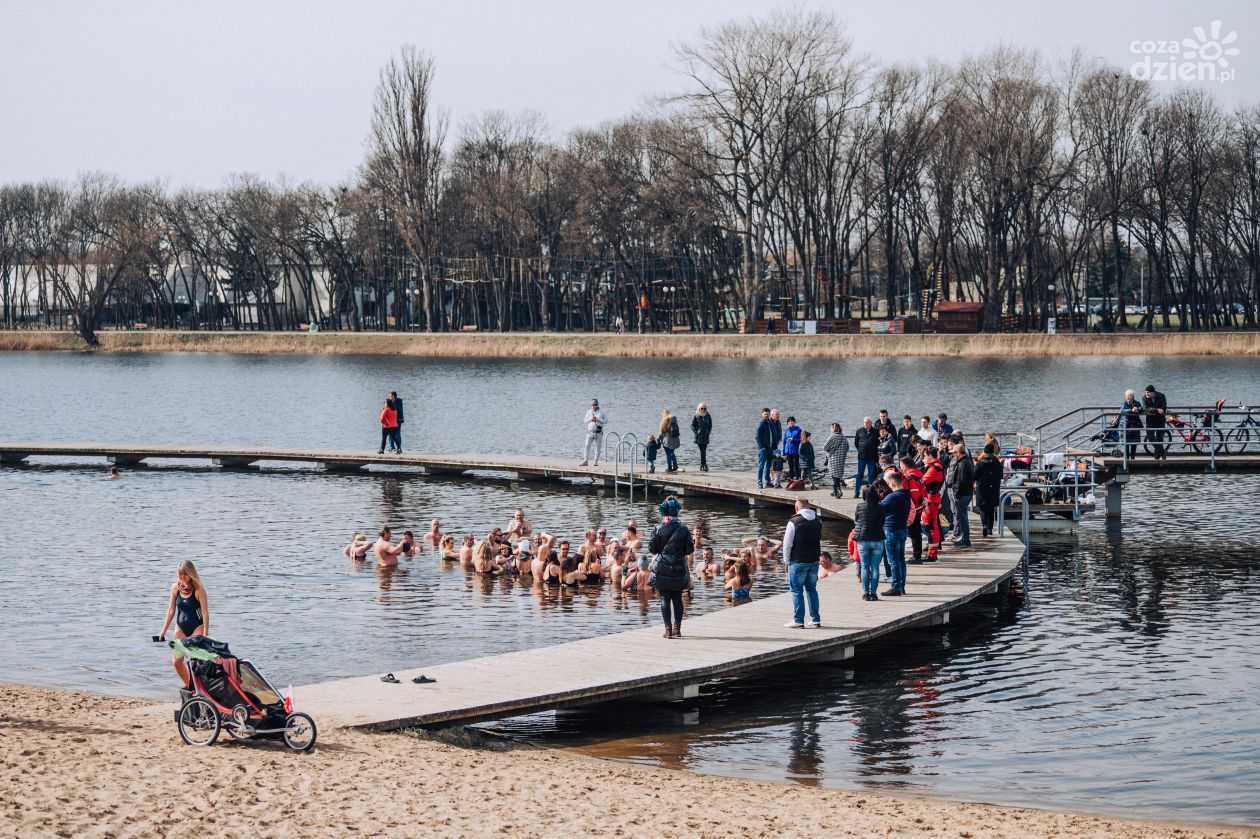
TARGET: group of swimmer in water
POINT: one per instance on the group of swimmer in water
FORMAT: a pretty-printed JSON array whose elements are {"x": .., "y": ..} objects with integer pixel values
[{"x": 546, "y": 560}]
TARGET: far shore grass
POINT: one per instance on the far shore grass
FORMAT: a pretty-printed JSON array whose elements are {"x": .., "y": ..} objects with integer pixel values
[{"x": 607, "y": 345}]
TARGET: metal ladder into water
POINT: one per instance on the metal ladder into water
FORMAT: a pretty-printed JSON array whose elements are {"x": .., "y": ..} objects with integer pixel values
[{"x": 627, "y": 451}]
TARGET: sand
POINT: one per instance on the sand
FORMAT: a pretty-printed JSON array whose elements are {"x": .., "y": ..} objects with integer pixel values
[{"x": 84, "y": 765}]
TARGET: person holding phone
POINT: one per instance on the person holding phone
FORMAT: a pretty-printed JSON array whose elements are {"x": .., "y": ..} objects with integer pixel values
[{"x": 190, "y": 610}]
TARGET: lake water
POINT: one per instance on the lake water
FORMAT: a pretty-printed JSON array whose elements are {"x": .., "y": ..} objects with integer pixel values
[{"x": 1125, "y": 683}]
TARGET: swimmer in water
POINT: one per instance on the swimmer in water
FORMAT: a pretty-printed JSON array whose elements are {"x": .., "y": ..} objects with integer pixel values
[
  {"x": 114, "y": 473},
  {"x": 435, "y": 534},
  {"x": 740, "y": 583},
  {"x": 519, "y": 527},
  {"x": 763, "y": 549},
  {"x": 466, "y": 550},
  {"x": 387, "y": 552},
  {"x": 358, "y": 547},
  {"x": 447, "y": 552},
  {"x": 708, "y": 563}
]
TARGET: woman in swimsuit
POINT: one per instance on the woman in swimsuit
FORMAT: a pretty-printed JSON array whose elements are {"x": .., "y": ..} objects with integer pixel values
[
  {"x": 740, "y": 584},
  {"x": 553, "y": 571},
  {"x": 570, "y": 574},
  {"x": 358, "y": 547},
  {"x": 591, "y": 568},
  {"x": 189, "y": 608}
]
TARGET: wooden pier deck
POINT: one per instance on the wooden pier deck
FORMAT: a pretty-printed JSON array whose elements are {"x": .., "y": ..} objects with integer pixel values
[
  {"x": 641, "y": 663},
  {"x": 732, "y": 485},
  {"x": 638, "y": 663}
]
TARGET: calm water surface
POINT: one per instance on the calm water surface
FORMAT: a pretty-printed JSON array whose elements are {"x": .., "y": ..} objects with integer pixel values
[{"x": 1125, "y": 683}]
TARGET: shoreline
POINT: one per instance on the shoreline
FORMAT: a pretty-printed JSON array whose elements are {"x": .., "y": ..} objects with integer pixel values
[
  {"x": 606, "y": 345},
  {"x": 76, "y": 762}
]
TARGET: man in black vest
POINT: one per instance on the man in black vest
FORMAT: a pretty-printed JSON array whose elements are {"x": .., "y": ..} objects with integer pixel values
[{"x": 802, "y": 546}]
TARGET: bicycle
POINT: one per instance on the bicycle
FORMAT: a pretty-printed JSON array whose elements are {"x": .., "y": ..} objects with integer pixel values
[
  {"x": 1238, "y": 437},
  {"x": 1196, "y": 437}
]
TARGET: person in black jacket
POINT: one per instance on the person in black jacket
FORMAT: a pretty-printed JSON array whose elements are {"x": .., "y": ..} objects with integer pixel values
[
  {"x": 701, "y": 429},
  {"x": 1156, "y": 406},
  {"x": 885, "y": 421},
  {"x": 961, "y": 480},
  {"x": 672, "y": 543},
  {"x": 988, "y": 487},
  {"x": 905, "y": 437},
  {"x": 868, "y": 533},
  {"x": 765, "y": 447},
  {"x": 866, "y": 445}
]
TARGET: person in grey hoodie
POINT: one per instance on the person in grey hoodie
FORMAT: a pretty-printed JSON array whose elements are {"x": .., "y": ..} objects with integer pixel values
[{"x": 802, "y": 548}]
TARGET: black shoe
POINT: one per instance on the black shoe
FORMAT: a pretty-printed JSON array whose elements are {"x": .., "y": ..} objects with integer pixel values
[
  {"x": 966, "y": 544},
  {"x": 929, "y": 559},
  {"x": 914, "y": 562},
  {"x": 380, "y": 451},
  {"x": 872, "y": 597},
  {"x": 893, "y": 592}
]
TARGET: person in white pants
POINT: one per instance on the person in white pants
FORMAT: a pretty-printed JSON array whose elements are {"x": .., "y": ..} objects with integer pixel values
[{"x": 595, "y": 422}]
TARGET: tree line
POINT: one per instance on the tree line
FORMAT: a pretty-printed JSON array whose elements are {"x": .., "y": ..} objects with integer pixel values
[{"x": 788, "y": 176}]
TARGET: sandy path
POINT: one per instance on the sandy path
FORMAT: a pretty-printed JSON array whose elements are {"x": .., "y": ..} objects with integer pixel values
[{"x": 82, "y": 765}]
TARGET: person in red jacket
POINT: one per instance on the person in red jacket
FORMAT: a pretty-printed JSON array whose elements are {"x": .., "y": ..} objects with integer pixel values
[
  {"x": 389, "y": 428},
  {"x": 933, "y": 481},
  {"x": 913, "y": 481}
]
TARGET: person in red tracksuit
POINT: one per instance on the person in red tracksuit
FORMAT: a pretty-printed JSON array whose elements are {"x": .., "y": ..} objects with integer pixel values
[
  {"x": 913, "y": 481},
  {"x": 933, "y": 481}
]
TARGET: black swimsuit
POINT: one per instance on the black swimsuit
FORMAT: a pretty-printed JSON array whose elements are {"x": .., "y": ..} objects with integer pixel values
[{"x": 187, "y": 612}]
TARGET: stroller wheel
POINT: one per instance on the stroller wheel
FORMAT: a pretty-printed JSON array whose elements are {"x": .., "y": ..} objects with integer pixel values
[
  {"x": 236, "y": 725},
  {"x": 299, "y": 732},
  {"x": 198, "y": 722}
]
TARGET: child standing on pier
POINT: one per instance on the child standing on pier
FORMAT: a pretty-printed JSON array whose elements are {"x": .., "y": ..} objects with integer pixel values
[{"x": 651, "y": 448}]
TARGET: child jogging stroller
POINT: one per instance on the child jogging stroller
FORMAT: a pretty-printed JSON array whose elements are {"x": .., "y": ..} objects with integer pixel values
[{"x": 229, "y": 694}]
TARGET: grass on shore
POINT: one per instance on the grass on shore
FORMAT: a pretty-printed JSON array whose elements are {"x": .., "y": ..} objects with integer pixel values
[{"x": 583, "y": 345}]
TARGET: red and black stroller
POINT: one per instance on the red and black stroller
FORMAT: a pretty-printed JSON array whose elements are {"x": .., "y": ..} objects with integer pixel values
[{"x": 229, "y": 694}]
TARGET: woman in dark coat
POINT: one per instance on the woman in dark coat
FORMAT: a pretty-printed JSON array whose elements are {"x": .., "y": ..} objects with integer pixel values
[
  {"x": 701, "y": 428},
  {"x": 672, "y": 543},
  {"x": 988, "y": 487}
]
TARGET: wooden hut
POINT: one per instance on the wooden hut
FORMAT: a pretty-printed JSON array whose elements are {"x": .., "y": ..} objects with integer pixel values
[{"x": 958, "y": 316}]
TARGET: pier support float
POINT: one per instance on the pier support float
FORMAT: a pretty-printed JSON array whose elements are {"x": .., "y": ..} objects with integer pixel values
[
  {"x": 126, "y": 460},
  {"x": 235, "y": 462},
  {"x": 939, "y": 619},
  {"x": 12, "y": 458},
  {"x": 439, "y": 471},
  {"x": 1114, "y": 495},
  {"x": 677, "y": 693},
  {"x": 325, "y": 466},
  {"x": 831, "y": 656}
]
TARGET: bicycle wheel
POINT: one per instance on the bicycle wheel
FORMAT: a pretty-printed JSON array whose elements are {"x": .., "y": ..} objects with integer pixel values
[
  {"x": 199, "y": 722},
  {"x": 1237, "y": 440}
]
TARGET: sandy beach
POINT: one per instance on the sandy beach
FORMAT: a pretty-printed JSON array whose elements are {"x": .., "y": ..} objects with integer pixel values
[{"x": 84, "y": 765}]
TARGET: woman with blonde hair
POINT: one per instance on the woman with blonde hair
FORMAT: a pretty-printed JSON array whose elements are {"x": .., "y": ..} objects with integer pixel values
[
  {"x": 189, "y": 608},
  {"x": 671, "y": 439}
]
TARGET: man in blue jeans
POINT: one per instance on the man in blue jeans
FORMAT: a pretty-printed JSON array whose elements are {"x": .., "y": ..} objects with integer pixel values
[
  {"x": 866, "y": 446},
  {"x": 765, "y": 448},
  {"x": 896, "y": 506},
  {"x": 802, "y": 547}
]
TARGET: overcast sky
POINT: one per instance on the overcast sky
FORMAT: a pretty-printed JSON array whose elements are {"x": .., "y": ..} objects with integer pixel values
[{"x": 192, "y": 92}]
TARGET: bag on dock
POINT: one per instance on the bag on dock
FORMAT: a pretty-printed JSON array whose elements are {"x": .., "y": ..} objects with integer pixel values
[{"x": 796, "y": 485}]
